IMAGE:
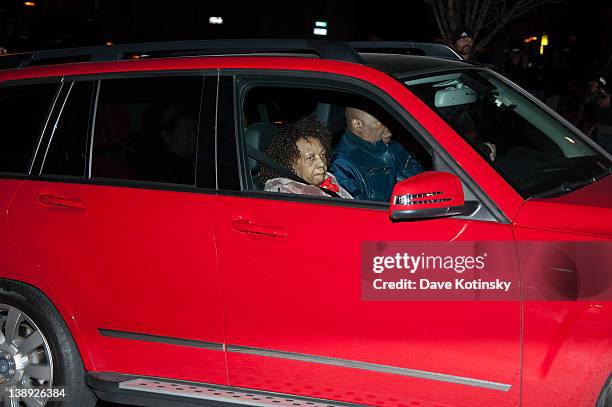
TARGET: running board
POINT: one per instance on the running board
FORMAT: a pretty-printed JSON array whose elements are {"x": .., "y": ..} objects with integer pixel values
[{"x": 157, "y": 392}]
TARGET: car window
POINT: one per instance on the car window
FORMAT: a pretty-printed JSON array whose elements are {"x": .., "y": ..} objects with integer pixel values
[
  {"x": 532, "y": 149},
  {"x": 66, "y": 154},
  {"x": 23, "y": 111},
  {"x": 146, "y": 129},
  {"x": 272, "y": 114}
]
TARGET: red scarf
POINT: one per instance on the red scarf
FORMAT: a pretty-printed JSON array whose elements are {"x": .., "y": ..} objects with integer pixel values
[{"x": 329, "y": 184}]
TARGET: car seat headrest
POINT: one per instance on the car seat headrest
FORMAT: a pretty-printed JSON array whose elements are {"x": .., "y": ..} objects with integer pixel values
[
  {"x": 259, "y": 135},
  {"x": 331, "y": 116}
]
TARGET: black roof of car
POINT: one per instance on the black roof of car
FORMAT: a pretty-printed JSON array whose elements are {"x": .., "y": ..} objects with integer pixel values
[
  {"x": 324, "y": 49},
  {"x": 431, "y": 49},
  {"x": 408, "y": 65},
  {"x": 390, "y": 57}
]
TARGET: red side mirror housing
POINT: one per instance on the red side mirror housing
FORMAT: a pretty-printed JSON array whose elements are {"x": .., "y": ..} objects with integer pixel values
[{"x": 431, "y": 194}]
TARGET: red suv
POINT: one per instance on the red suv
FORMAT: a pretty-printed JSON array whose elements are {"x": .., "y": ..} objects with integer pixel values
[{"x": 136, "y": 273}]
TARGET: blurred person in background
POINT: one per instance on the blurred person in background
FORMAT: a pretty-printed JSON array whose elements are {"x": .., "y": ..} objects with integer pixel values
[
  {"x": 463, "y": 42},
  {"x": 596, "y": 115},
  {"x": 516, "y": 67}
]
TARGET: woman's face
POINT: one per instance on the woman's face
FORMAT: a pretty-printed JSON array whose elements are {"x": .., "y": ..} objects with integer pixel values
[{"x": 311, "y": 165}]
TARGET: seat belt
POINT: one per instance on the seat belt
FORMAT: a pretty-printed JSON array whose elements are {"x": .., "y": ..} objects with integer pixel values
[{"x": 281, "y": 169}]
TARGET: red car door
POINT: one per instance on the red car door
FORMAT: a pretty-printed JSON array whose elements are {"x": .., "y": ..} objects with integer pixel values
[
  {"x": 24, "y": 108},
  {"x": 296, "y": 322},
  {"x": 131, "y": 241}
]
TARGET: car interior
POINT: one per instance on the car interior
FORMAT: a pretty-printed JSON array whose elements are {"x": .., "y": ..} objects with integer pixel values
[{"x": 267, "y": 109}]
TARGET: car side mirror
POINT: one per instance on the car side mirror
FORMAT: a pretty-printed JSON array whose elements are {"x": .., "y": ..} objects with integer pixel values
[{"x": 431, "y": 194}]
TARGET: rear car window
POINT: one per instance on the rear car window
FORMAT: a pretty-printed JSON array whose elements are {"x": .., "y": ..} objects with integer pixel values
[
  {"x": 146, "y": 129},
  {"x": 23, "y": 111}
]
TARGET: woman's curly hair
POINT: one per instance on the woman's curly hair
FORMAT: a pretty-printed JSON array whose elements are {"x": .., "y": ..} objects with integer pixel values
[{"x": 283, "y": 147}]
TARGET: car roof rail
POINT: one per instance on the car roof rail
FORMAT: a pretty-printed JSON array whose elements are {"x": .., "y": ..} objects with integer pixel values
[
  {"x": 324, "y": 49},
  {"x": 430, "y": 49}
]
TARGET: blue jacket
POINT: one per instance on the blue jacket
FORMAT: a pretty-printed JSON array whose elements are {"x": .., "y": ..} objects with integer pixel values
[{"x": 370, "y": 170}]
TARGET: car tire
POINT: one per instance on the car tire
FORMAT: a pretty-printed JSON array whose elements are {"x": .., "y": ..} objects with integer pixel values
[
  {"x": 36, "y": 348},
  {"x": 605, "y": 397}
]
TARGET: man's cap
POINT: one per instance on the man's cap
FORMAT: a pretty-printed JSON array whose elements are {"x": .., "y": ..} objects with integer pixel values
[
  {"x": 462, "y": 32},
  {"x": 601, "y": 82}
]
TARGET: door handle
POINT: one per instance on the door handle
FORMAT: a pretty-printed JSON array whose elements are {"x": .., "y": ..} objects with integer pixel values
[
  {"x": 62, "y": 202},
  {"x": 246, "y": 226}
]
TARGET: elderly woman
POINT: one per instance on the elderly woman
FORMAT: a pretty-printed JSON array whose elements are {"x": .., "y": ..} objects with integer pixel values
[{"x": 303, "y": 147}]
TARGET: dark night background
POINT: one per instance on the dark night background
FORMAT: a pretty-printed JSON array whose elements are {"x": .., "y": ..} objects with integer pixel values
[
  {"x": 583, "y": 26},
  {"x": 580, "y": 32}
]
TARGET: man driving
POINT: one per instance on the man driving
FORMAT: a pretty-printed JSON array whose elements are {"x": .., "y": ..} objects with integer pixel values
[{"x": 367, "y": 163}]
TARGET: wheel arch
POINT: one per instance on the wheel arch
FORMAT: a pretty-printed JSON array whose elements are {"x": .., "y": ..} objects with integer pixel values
[{"x": 25, "y": 288}]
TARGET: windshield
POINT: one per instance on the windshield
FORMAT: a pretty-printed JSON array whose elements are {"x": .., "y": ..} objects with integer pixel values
[{"x": 529, "y": 147}]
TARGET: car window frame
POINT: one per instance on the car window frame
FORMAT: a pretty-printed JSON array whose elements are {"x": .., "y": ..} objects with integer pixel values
[
  {"x": 85, "y": 178},
  {"x": 246, "y": 83},
  {"x": 243, "y": 78}
]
